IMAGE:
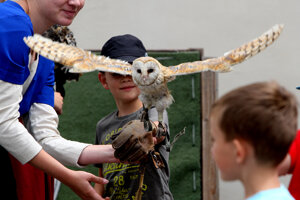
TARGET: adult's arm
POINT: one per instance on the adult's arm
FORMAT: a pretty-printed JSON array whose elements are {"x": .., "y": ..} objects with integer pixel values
[
  {"x": 58, "y": 103},
  {"x": 43, "y": 125},
  {"x": 14, "y": 137},
  {"x": 78, "y": 181}
]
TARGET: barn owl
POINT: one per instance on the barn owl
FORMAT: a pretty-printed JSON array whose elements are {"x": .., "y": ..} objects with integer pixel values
[{"x": 148, "y": 74}]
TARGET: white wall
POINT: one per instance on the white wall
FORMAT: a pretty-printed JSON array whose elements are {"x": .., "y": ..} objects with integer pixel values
[{"x": 215, "y": 25}]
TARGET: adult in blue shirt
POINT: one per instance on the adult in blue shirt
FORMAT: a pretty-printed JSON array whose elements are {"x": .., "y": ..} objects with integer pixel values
[{"x": 28, "y": 122}]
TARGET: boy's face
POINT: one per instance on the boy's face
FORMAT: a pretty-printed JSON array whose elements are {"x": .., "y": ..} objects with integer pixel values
[
  {"x": 223, "y": 152},
  {"x": 121, "y": 87}
]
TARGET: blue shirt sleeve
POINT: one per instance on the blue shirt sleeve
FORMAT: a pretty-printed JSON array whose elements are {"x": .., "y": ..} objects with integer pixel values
[
  {"x": 41, "y": 87},
  {"x": 14, "y": 25},
  {"x": 46, "y": 94}
]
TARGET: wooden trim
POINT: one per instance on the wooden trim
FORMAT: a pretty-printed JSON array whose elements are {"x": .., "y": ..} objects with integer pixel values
[{"x": 210, "y": 183}]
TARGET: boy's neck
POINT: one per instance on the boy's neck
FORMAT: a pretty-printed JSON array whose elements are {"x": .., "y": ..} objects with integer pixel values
[
  {"x": 128, "y": 108},
  {"x": 258, "y": 179}
]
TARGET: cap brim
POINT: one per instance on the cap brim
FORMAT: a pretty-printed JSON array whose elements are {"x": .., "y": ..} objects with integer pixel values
[{"x": 129, "y": 59}]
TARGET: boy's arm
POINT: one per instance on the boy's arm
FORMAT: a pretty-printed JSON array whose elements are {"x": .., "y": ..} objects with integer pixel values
[
  {"x": 97, "y": 154},
  {"x": 99, "y": 188}
]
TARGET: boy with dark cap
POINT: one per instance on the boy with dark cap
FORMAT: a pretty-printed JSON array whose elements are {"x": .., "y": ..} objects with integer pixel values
[{"x": 124, "y": 178}]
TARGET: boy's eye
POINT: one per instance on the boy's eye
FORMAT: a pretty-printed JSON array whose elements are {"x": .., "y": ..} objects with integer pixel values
[{"x": 115, "y": 75}]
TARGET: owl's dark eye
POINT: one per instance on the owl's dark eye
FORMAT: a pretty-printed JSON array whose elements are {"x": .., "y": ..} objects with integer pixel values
[
  {"x": 150, "y": 70},
  {"x": 138, "y": 71}
]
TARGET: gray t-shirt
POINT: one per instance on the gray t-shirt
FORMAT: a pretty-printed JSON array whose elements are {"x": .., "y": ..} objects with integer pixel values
[{"x": 124, "y": 178}]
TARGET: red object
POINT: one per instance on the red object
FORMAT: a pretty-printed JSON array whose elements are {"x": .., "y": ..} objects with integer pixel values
[
  {"x": 31, "y": 183},
  {"x": 294, "y": 186}
]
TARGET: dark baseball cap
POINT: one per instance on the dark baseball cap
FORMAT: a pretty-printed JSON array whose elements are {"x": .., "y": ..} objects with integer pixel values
[{"x": 124, "y": 47}]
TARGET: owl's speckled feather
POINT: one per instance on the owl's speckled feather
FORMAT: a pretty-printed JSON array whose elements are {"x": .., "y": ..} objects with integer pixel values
[
  {"x": 80, "y": 60},
  {"x": 148, "y": 74},
  {"x": 76, "y": 58},
  {"x": 233, "y": 57}
]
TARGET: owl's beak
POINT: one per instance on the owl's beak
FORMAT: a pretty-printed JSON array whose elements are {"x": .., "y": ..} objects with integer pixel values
[{"x": 144, "y": 78}]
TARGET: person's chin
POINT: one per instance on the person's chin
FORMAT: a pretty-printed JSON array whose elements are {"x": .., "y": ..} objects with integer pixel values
[{"x": 66, "y": 20}]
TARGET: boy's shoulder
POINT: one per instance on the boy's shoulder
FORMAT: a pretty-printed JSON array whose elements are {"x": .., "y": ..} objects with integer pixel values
[
  {"x": 280, "y": 193},
  {"x": 113, "y": 118},
  {"x": 108, "y": 117}
]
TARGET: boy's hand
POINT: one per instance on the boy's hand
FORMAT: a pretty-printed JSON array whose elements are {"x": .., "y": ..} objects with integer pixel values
[{"x": 133, "y": 143}]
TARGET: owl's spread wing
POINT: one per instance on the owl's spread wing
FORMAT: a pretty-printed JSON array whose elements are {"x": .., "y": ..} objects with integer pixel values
[
  {"x": 77, "y": 59},
  {"x": 224, "y": 63}
]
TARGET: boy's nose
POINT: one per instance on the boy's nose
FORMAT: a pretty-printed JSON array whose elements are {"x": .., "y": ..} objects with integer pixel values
[{"x": 126, "y": 78}]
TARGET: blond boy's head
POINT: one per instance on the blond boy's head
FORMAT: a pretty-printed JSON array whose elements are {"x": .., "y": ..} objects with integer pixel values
[{"x": 262, "y": 114}]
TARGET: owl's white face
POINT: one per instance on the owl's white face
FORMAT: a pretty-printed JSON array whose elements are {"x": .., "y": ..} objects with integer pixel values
[{"x": 144, "y": 73}]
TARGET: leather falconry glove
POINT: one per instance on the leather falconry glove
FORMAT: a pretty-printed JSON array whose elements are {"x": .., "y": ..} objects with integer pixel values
[{"x": 133, "y": 143}]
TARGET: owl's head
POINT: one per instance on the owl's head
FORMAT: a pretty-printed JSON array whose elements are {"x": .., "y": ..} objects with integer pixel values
[{"x": 145, "y": 71}]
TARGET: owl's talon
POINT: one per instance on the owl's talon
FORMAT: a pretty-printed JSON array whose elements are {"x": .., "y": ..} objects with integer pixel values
[
  {"x": 145, "y": 119},
  {"x": 144, "y": 116},
  {"x": 147, "y": 126},
  {"x": 161, "y": 130}
]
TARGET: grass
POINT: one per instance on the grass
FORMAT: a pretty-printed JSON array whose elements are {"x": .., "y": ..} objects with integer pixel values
[{"x": 86, "y": 102}]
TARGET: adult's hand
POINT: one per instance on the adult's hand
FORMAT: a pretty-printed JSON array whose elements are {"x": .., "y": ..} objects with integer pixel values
[
  {"x": 58, "y": 103},
  {"x": 78, "y": 181},
  {"x": 80, "y": 184}
]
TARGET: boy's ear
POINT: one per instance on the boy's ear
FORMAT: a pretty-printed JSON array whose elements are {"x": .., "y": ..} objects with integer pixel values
[
  {"x": 102, "y": 79},
  {"x": 241, "y": 150}
]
